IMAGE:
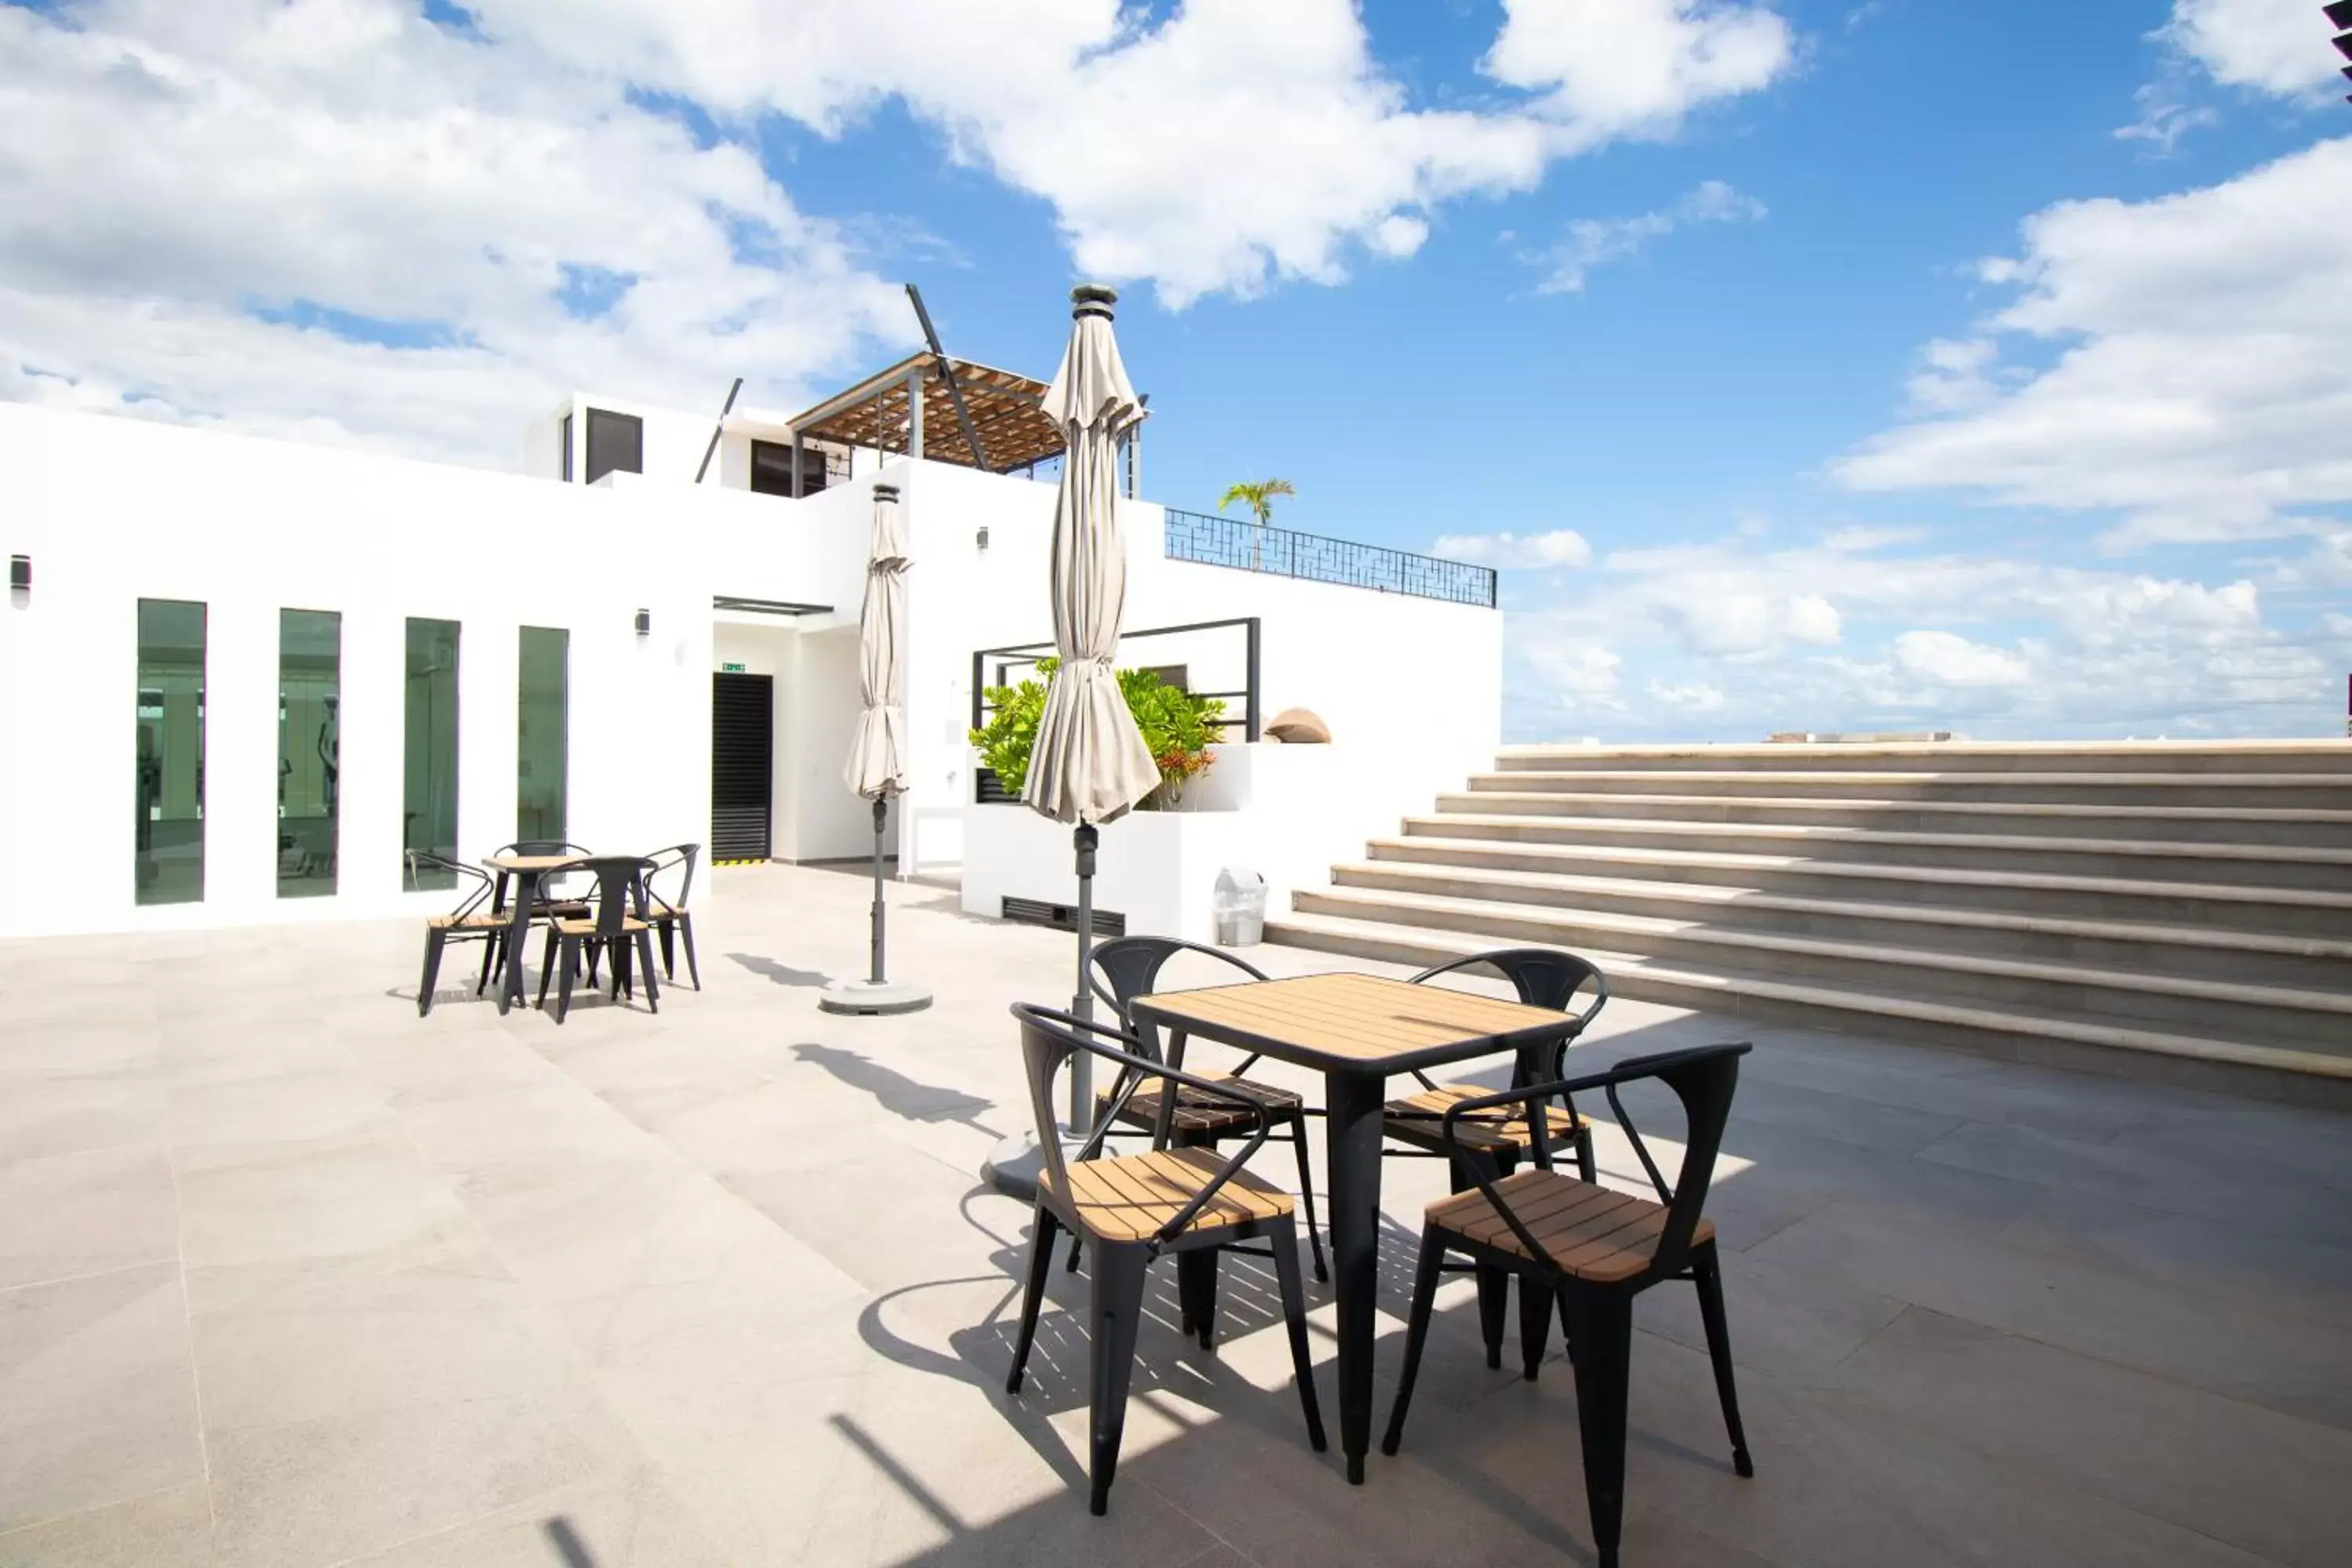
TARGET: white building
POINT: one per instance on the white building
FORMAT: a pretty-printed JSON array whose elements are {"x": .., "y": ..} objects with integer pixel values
[{"x": 242, "y": 676}]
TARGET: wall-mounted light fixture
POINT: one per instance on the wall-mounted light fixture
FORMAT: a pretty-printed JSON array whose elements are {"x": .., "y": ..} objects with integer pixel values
[
  {"x": 20, "y": 573},
  {"x": 980, "y": 539},
  {"x": 644, "y": 623}
]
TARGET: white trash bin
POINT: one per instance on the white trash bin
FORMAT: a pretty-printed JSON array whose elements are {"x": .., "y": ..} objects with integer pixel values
[{"x": 1239, "y": 907}]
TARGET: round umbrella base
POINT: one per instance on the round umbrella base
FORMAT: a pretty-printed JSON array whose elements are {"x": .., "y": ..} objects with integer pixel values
[
  {"x": 867, "y": 998},
  {"x": 1012, "y": 1165}
]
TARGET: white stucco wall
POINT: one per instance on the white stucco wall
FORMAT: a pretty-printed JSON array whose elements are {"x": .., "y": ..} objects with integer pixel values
[{"x": 112, "y": 510}]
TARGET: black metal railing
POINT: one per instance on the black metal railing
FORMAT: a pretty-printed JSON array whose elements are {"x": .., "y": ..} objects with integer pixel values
[{"x": 1243, "y": 545}]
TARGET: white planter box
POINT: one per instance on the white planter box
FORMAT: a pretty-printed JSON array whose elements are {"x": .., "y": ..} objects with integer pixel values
[{"x": 1159, "y": 868}]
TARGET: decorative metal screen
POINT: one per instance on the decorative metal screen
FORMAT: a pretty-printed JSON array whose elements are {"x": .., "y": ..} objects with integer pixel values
[{"x": 1244, "y": 545}]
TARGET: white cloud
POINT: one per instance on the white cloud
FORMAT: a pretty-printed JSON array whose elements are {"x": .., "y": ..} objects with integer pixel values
[
  {"x": 1635, "y": 67},
  {"x": 2203, "y": 378},
  {"x": 337, "y": 219},
  {"x": 1589, "y": 242},
  {"x": 1953, "y": 660},
  {"x": 1560, "y": 547},
  {"x": 1696, "y": 697},
  {"x": 1812, "y": 619},
  {"x": 1228, "y": 145},
  {"x": 1997, "y": 644},
  {"x": 2163, "y": 118},
  {"x": 189, "y": 195},
  {"x": 2271, "y": 46}
]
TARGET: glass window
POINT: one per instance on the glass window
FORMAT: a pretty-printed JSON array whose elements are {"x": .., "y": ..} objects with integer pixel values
[
  {"x": 567, "y": 449},
  {"x": 616, "y": 442},
  {"x": 541, "y": 725},
  {"x": 771, "y": 469},
  {"x": 169, "y": 856},
  {"x": 310, "y": 699},
  {"x": 430, "y": 796}
]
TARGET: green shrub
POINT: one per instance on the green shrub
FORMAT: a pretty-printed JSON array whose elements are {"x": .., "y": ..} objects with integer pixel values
[{"x": 1177, "y": 726}]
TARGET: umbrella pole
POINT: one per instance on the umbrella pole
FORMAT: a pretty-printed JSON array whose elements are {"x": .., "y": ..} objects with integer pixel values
[
  {"x": 875, "y": 994},
  {"x": 881, "y": 808},
  {"x": 1082, "y": 1089}
]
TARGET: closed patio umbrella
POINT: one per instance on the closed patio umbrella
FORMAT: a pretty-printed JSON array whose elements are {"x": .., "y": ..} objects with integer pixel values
[
  {"x": 877, "y": 756},
  {"x": 1089, "y": 764}
]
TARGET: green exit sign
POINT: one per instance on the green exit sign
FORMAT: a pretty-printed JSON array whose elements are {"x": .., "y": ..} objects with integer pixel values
[{"x": 731, "y": 670}]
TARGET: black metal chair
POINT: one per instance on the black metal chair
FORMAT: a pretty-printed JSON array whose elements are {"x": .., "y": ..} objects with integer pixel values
[
  {"x": 1127, "y": 967},
  {"x": 1132, "y": 1209},
  {"x": 1593, "y": 1250},
  {"x": 670, "y": 918},
  {"x": 615, "y": 926},
  {"x": 1543, "y": 977},
  {"x": 471, "y": 921},
  {"x": 546, "y": 906}
]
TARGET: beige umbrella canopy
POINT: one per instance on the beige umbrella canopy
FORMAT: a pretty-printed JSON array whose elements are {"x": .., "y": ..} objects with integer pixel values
[
  {"x": 1089, "y": 764},
  {"x": 878, "y": 755}
]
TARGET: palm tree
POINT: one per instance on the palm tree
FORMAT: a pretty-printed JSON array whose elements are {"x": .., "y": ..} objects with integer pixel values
[{"x": 1258, "y": 495}]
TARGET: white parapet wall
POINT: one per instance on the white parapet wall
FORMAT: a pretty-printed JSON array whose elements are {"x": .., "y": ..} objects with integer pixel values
[{"x": 1286, "y": 812}]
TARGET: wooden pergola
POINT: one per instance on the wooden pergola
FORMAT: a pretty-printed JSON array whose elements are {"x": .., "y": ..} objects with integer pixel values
[{"x": 910, "y": 408}]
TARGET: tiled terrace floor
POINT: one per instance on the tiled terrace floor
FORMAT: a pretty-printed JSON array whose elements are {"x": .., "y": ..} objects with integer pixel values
[{"x": 288, "y": 1277}]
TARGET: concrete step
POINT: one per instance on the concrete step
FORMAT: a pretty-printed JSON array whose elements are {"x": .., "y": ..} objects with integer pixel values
[
  {"x": 2232, "y": 865},
  {"x": 2294, "y": 963},
  {"x": 2276, "y": 910},
  {"x": 2309, "y": 792},
  {"x": 2135, "y": 998},
  {"x": 2323, "y": 829},
  {"x": 2312, "y": 756},
  {"x": 2081, "y": 1044}
]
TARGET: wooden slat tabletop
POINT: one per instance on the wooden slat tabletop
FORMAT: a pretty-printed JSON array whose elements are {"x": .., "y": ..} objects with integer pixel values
[{"x": 1360, "y": 1021}]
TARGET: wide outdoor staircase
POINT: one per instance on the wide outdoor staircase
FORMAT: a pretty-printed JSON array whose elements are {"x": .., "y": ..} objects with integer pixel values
[{"x": 2179, "y": 910}]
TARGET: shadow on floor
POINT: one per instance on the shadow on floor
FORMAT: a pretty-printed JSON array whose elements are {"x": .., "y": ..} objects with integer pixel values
[
  {"x": 782, "y": 975},
  {"x": 569, "y": 1550},
  {"x": 896, "y": 1092}
]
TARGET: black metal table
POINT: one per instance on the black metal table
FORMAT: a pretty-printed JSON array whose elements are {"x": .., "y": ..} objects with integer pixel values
[{"x": 1357, "y": 1030}]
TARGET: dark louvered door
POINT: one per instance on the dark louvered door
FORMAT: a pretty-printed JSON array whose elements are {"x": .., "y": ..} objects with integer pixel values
[{"x": 743, "y": 764}]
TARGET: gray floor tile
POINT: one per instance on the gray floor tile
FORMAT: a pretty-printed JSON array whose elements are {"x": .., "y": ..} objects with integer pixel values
[
  {"x": 83, "y": 1212},
  {"x": 160, "y": 1529},
  {"x": 98, "y": 1400}
]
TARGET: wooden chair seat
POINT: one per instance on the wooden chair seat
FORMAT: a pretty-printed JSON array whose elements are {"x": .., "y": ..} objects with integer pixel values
[
  {"x": 1130, "y": 1199},
  {"x": 1420, "y": 1118},
  {"x": 588, "y": 928},
  {"x": 567, "y": 909},
  {"x": 1200, "y": 1113},
  {"x": 1591, "y": 1232},
  {"x": 479, "y": 920},
  {"x": 658, "y": 912}
]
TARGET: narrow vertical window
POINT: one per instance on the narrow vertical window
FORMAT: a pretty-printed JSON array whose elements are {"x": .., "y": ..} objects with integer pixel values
[
  {"x": 309, "y": 745},
  {"x": 430, "y": 792},
  {"x": 567, "y": 449},
  {"x": 616, "y": 443},
  {"x": 169, "y": 855},
  {"x": 543, "y": 733}
]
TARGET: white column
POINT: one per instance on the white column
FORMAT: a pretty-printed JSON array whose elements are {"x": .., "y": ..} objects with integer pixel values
[{"x": 915, "y": 414}]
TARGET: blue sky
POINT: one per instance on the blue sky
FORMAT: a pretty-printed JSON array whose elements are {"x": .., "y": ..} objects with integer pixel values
[{"x": 1807, "y": 363}]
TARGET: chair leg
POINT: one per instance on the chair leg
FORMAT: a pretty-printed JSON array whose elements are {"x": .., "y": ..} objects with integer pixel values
[
  {"x": 1040, "y": 1263},
  {"x": 563, "y": 994},
  {"x": 548, "y": 957},
  {"x": 492, "y": 951},
  {"x": 1118, "y": 1281},
  {"x": 1494, "y": 1284},
  {"x": 433, "y": 938},
  {"x": 1424, "y": 1295},
  {"x": 645, "y": 957},
  {"x": 1707, "y": 1270},
  {"x": 1604, "y": 1347},
  {"x": 1584, "y": 1166},
  {"x": 1294, "y": 1314},
  {"x": 1307, "y": 1194},
  {"x": 686, "y": 935},
  {"x": 1536, "y": 1306},
  {"x": 1196, "y": 1288},
  {"x": 669, "y": 953}
]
